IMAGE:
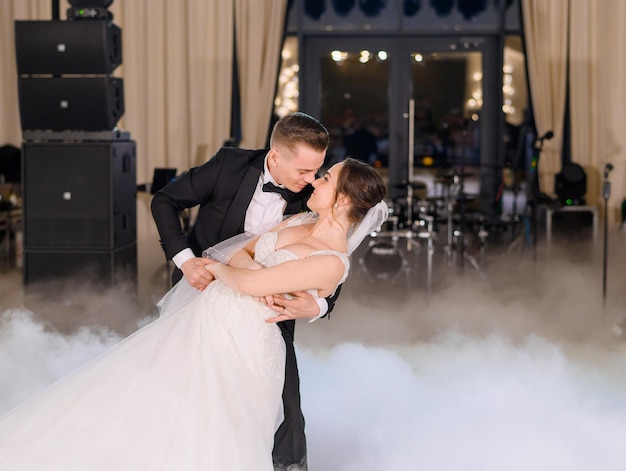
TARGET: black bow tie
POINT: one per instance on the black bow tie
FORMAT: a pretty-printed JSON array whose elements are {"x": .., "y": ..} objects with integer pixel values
[{"x": 287, "y": 195}]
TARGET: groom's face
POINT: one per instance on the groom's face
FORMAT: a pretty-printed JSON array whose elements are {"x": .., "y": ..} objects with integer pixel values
[{"x": 294, "y": 168}]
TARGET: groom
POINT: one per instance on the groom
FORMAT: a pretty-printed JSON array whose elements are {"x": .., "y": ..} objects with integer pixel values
[{"x": 240, "y": 190}]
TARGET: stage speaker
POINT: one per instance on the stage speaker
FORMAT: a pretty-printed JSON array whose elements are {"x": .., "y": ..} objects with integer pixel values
[
  {"x": 570, "y": 184},
  {"x": 67, "y": 47},
  {"x": 99, "y": 267},
  {"x": 79, "y": 195},
  {"x": 71, "y": 104}
]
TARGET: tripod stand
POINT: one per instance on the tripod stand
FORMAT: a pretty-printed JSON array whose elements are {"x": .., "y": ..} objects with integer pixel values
[{"x": 457, "y": 238}]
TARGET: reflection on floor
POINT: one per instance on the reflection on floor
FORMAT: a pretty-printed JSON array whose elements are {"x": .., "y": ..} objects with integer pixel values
[{"x": 509, "y": 350}]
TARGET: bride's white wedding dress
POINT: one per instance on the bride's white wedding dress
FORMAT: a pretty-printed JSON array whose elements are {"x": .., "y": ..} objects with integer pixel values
[{"x": 198, "y": 388}]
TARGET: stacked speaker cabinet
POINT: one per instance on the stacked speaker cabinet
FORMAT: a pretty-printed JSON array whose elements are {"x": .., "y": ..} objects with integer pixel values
[
  {"x": 78, "y": 169},
  {"x": 65, "y": 80},
  {"x": 79, "y": 210}
]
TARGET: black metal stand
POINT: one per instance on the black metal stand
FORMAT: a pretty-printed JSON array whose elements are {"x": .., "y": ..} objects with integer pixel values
[
  {"x": 55, "y": 10},
  {"x": 458, "y": 237},
  {"x": 534, "y": 186},
  {"x": 515, "y": 165},
  {"x": 463, "y": 222},
  {"x": 534, "y": 196},
  {"x": 606, "y": 193}
]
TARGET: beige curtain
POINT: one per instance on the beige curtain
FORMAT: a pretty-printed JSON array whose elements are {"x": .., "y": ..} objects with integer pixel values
[
  {"x": 545, "y": 30},
  {"x": 10, "y": 10},
  {"x": 177, "y": 79},
  {"x": 598, "y": 96},
  {"x": 259, "y": 27},
  {"x": 177, "y": 76}
]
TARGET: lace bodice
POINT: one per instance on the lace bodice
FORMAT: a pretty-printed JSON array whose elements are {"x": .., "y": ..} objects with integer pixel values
[{"x": 266, "y": 254}]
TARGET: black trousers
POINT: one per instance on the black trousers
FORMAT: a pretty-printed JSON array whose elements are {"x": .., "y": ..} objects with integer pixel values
[{"x": 290, "y": 441}]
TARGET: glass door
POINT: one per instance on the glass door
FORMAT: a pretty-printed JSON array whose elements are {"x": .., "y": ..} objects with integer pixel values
[
  {"x": 446, "y": 94},
  {"x": 354, "y": 103},
  {"x": 444, "y": 120},
  {"x": 409, "y": 106}
]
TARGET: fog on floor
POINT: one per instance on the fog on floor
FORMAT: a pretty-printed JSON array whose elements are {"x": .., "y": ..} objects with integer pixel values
[{"x": 513, "y": 362}]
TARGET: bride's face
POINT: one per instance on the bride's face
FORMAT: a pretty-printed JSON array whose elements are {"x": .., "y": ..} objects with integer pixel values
[{"x": 323, "y": 196}]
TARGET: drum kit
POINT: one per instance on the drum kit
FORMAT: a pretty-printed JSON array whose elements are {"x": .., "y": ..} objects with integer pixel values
[{"x": 415, "y": 221}]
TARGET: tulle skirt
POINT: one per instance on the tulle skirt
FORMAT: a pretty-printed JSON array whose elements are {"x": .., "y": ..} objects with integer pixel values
[{"x": 198, "y": 388}]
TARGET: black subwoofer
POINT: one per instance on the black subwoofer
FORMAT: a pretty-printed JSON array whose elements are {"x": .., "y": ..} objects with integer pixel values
[{"x": 79, "y": 196}]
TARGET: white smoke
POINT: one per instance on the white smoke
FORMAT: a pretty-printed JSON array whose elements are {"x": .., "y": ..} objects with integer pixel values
[
  {"x": 463, "y": 403},
  {"x": 32, "y": 356},
  {"x": 515, "y": 371},
  {"x": 453, "y": 402}
]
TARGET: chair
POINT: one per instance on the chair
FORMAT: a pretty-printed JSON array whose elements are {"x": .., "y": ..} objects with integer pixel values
[{"x": 161, "y": 177}]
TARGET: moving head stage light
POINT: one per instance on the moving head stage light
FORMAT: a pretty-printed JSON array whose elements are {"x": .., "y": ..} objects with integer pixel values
[
  {"x": 570, "y": 184},
  {"x": 89, "y": 10}
]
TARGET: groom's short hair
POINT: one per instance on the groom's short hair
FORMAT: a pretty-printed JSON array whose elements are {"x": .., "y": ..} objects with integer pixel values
[{"x": 300, "y": 128}]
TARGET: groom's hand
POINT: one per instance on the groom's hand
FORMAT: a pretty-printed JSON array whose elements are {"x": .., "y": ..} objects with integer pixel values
[
  {"x": 195, "y": 273},
  {"x": 299, "y": 305}
]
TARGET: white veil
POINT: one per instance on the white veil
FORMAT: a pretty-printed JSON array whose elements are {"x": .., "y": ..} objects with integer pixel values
[
  {"x": 183, "y": 293},
  {"x": 374, "y": 218},
  {"x": 372, "y": 221}
]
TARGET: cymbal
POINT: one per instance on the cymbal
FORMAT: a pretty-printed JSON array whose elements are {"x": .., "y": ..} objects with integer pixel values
[
  {"x": 465, "y": 198},
  {"x": 414, "y": 185},
  {"x": 448, "y": 177}
]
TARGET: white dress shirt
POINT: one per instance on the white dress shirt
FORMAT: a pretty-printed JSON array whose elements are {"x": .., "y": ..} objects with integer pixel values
[{"x": 264, "y": 212}]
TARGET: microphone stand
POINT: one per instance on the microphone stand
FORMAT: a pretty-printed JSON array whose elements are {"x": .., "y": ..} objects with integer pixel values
[
  {"x": 606, "y": 193},
  {"x": 534, "y": 193},
  {"x": 462, "y": 193},
  {"x": 534, "y": 185}
]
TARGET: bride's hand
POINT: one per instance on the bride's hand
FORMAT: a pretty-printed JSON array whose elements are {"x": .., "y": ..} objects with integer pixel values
[
  {"x": 265, "y": 300},
  {"x": 299, "y": 305}
]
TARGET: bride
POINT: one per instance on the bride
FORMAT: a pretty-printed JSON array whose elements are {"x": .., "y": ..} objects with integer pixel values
[{"x": 200, "y": 387}]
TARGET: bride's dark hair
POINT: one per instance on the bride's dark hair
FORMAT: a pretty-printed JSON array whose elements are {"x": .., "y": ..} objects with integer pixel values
[{"x": 362, "y": 184}]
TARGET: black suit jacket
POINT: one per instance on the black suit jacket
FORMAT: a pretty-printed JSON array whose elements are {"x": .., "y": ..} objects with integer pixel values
[{"x": 222, "y": 188}]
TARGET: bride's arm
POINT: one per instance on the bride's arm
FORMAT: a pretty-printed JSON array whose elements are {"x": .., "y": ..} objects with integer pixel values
[
  {"x": 321, "y": 272},
  {"x": 244, "y": 257}
]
